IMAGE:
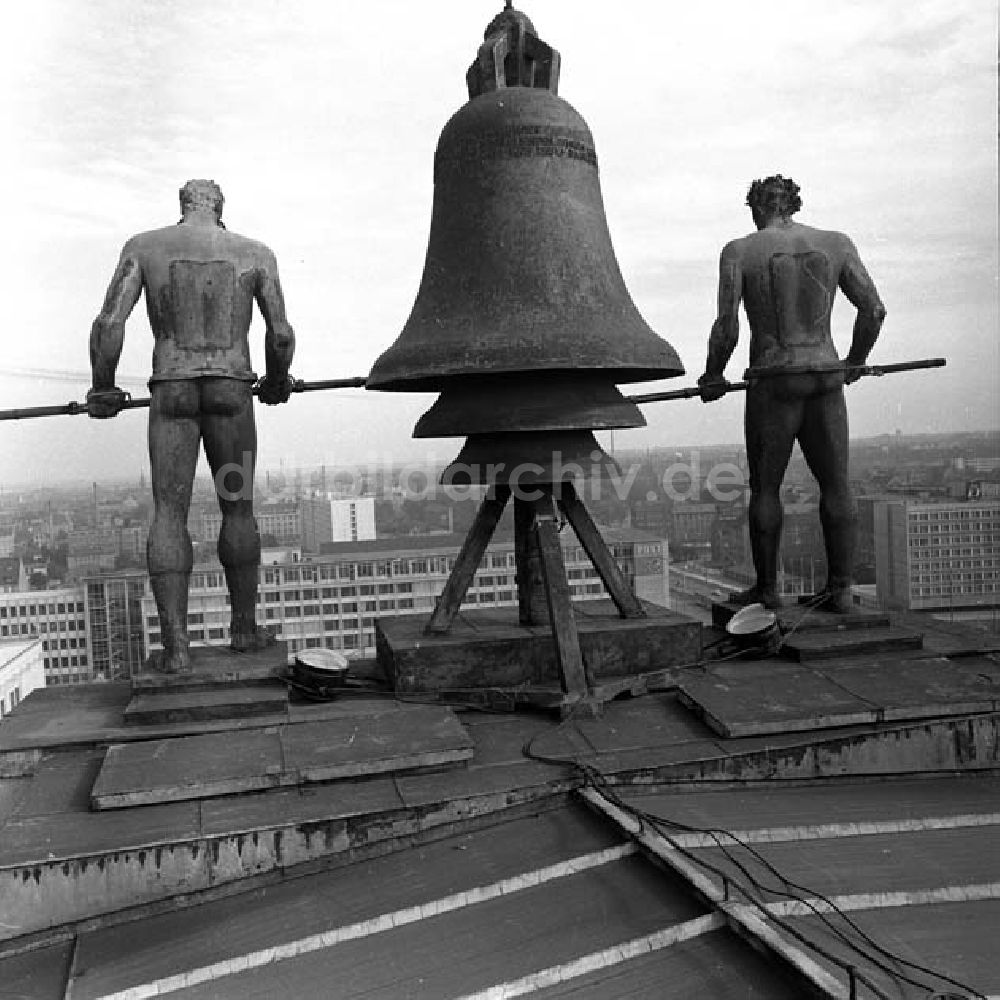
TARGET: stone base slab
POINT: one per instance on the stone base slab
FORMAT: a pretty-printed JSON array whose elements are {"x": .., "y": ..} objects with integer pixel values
[{"x": 490, "y": 649}]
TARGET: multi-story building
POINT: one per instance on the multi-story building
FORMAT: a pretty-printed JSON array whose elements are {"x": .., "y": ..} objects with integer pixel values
[
  {"x": 21, "y": 670},
  {"x": 114, "y": 609},
  {"x": 279, "y": 520},
  {"x": 58, "y": 619},
  {"x": 691, "y": 523},
  {"x": 937, "y": 555},
  {"x": 652, "y": 516},
  {"x": 334, "y": 599},
  {"x": 90, "y": 552},
  {"x": 328, "y": 517},
  {"x": 864, "y": 552},
  {"x": 981, "y": 489}
]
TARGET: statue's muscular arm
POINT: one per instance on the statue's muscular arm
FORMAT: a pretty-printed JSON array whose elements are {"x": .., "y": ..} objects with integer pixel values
[
  {"x": 279, "y": 338},
  {"x": 107, "y": 335},
  {"x": 726, "y": 328},
  {"x": 860, "y": 290}
]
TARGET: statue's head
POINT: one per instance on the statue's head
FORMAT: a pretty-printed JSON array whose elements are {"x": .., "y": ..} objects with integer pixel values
[
  {"x": 772, "y": 197},
  {"x": 202, "y": 195}
]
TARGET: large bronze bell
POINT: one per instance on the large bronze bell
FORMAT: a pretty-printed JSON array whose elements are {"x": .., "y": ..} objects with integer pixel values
[
  {"x": 524, "y": 325},
  {"x": 522, "y": 319}
]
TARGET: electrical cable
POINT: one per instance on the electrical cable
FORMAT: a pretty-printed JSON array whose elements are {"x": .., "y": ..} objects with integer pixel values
[
  {"x": 756, "y": 883},
  {"x": 701, "y": 862},
  {"x": 593, "y": 777},
  {"x": 811, "y": 605}
]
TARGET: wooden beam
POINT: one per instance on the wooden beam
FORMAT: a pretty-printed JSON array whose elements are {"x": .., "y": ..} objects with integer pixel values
[
  {"x": 564, "y": 634},
  {"x": 531, "y": 604},
  {"x": 741, "y": 916},
  {"x": 604, "y": 562},
  {"x": 469, "y": 558}
]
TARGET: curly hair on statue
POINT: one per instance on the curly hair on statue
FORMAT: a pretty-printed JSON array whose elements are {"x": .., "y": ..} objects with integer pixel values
[{"x": 775, "y": 195}]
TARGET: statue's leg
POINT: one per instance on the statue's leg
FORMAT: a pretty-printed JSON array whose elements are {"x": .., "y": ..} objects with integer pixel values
[
  {"x": 231, "y": 448},
  {"x": 173, "y": 455},
  {"x": 771, "y": 422},
  {"x": 825, "y": 446}
]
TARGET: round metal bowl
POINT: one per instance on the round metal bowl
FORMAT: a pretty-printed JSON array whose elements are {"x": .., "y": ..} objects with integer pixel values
[
  {"x": 320, "y": 668},
  {"x": 753, "y": 626}
]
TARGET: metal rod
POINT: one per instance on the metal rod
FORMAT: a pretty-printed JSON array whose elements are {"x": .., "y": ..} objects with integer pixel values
[
  {"x": 751, "y": 377},
  {"x": 689, "y": 393},
  {"x": 74, "y": 408}
]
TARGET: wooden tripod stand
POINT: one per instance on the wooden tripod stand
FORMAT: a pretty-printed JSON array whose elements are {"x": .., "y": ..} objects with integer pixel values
[{"x": 542, "y": 585}]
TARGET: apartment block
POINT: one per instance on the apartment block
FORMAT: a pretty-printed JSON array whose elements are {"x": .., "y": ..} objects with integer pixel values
[
  {"x": 933, "y": 556},
  {"x": 328, "y": 517}
]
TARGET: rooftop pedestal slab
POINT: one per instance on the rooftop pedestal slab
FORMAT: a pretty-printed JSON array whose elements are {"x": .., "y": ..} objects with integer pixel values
[
  {"x": 232, "y": 702},
  {"x": 759, "y": 698},
  {"x": 201, "y": 767},
  {"x": 488, "y": 649},
  {"x": 805, "y": 619},
  {"x": 216, "y": 666},
  {"x": 814, "y": 634},
  {"x": 828, "y": 645}
]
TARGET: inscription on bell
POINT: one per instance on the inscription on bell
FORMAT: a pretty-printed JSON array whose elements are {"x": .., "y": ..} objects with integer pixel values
[{"x": 515, "y": 142}]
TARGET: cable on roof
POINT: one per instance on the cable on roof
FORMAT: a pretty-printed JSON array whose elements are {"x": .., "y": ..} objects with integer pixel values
[{"x": 596, "y": 779}]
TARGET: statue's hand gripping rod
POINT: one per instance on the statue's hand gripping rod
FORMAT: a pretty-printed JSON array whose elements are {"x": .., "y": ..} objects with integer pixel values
[
  {"x": 74, "y": 408},
  {"x": 860, "y": 371}
]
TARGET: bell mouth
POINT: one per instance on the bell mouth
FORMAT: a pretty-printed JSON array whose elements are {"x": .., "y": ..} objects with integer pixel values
[{"x": 563, "y": 401}]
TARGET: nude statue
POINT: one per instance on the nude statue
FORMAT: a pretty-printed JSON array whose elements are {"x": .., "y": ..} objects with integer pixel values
[
  {"x": 200, "y": 282},
  {"x": 787, "y": 274}
]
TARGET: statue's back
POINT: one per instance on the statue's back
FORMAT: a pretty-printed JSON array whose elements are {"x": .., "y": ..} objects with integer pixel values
[
  {"x": 790, "y": 278},
  {"x": 199, "y": 283}
]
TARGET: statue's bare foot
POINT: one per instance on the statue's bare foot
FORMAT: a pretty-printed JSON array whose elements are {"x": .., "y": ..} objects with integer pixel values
[
  {"x": 175, "y": 661},
  {"x": 251, "y": 642},
  {"x": 757, "y": 595}
]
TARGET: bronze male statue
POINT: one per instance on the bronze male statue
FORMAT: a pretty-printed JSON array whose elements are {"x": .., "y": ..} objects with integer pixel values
[
  {"x": 200, "y": 282},
  {"x": 787, "y": 275}
]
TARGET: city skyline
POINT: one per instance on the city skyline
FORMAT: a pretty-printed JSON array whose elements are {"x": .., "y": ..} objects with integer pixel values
[
  {"x": 988, "y": 439},
  {"x": 883, "y": 112}
]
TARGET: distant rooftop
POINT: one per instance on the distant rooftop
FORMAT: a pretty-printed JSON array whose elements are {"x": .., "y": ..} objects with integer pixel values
[
  {"x": 422, "y": 543},
  {"x": 11, "y": 649}
]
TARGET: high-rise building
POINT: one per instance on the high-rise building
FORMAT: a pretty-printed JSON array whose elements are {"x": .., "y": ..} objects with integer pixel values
[
  {"x": 329, "y": 517},
  {"x": 932, "y": 556}
]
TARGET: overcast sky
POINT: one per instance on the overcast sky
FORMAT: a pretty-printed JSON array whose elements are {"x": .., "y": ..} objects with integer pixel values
[{"x": 320, "y": 120}]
